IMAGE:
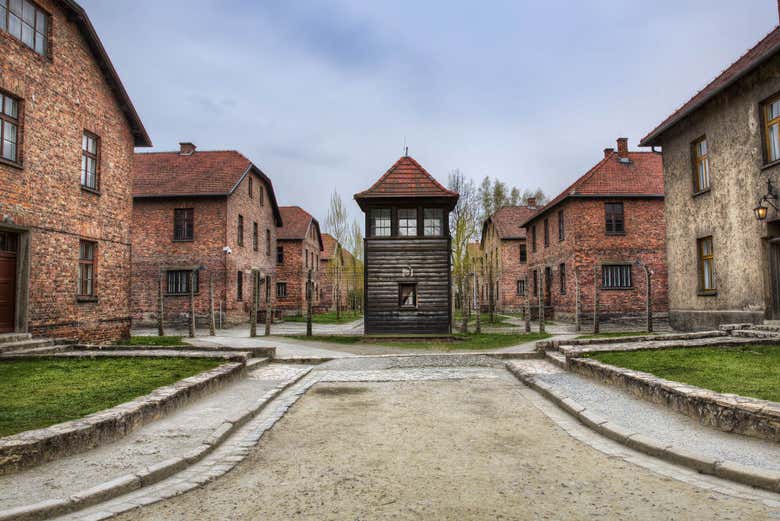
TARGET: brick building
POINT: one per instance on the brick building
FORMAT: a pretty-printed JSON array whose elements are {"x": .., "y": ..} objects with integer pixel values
[
  {"x": 606, "y": 227},
  {"x": 337, "y": 264},
  {"x": 504, "y": 257},
  {"x": 721, "y": 161},
  {"x": 188, "y": 207},
  {"x": 299, "y": 249},
  {"x": 66, "y": 153}
]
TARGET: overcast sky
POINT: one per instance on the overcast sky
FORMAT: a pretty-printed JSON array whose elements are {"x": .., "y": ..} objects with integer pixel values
[{"x": 321, "y": 95}]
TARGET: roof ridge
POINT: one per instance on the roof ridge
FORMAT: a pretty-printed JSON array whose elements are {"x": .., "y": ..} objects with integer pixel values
[
  {"x": 178, "y": 152},
  {"x": 417, "y": 165}
]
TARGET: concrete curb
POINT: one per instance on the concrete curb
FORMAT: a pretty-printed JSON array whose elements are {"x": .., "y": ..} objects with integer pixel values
[
  {"x": 752, "y": 476},
  {"x": 149, "y": 476},
  {"x": 30, "y": 448}
]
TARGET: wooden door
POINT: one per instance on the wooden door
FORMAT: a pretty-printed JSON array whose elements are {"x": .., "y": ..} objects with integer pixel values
[
  {"x": 774, "y": 272},
  {"x": 7, "y": 281}
]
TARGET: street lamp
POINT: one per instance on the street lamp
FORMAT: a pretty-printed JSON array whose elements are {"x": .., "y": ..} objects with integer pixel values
[{"x": 761, "y": 209}]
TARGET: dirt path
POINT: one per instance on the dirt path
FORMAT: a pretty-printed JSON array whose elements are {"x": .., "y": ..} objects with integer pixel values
[{"x": 437, "y": 450}]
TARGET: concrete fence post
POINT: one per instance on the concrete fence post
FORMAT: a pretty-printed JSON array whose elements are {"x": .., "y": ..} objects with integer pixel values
[
  {"x": 268, "y": 309},
  {"x": 540, "y": 288},
  {"x": 160, "y": 300},
  {"x": 478, "y": 325},
  {"x": 192, "y": 303},
  {"x": 255, "y": 301},
  {"x": 527, "y": 307},
  {"x": 308, "y": 304},
  {"x": 596, "y": 327},
  {"x": 649, "y": 299},
  {"x": 577, "y": 322},
  {"x": 212, "y": 321}
]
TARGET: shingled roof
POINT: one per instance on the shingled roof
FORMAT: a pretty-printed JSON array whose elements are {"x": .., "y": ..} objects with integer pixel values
[
  {"x": 79, "y": 16},
  {"x": 508, "y": 221},
  {"x": 196, "y": 174},
  {"x": 329, "y": 246},
  {"x": 762, "y": 51},
  {"x": 406, "y": 178},
  {"x": 640, "y": 176},
  {"x": 296, "y": 224}
]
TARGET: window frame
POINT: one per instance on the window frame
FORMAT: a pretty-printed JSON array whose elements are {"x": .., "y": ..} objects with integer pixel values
[
  {"x": 703, "y": 259},
  {"x": 520, "y": 288},
  {"x": 523, "y": 254},
  {"x": 279, "y": 254},
  {"x": 764, "y": 106},
  {"x": 240, "y": 230},
  {"x": 251, "y": 187},
  {"x": 267, "y": 242},
  {"x": 184, "y": 211},
  {"x": 561, "y": 226},
  {"x": 239, "y": 286},
  {"x": 16, "y": 122},
  {"x": 186, "y": 289},
  {"x": 413, "y": 286},
  {"x": 281, "y": 290},
  {"x": 438, "y": 218},
  {"x": 261, "y": 197},
  {"x": 5, "y": 27},
  {"x": 373, "y": 218},
  {"x": 255, "y": 237},
  {"x": 625, "y": 268},
  {"x": 533, "y": 238},
  {"x": 92, "y": 262},
  {"x": 410, "y": 229},
  {"x": 546, "y": 232},
  {"x": 613, "y": 221},
  {"x": 697, "y": 158}
]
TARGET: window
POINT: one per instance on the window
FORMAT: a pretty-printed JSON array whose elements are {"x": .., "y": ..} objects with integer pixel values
[
  {"x": 772, "y": 129},
  {"x": 533, "y": 238},
  {"x": 87, "y": 268},
  {"x": 306, "y": 258},
  {"x": 407, "y": 295},
  {"x": 255, "y": 237},
  {"x": 281, "y": 289},
  {"x": 521, "y": 287},
  {"x": 178, "y": 282},
  {"x": 183, "y": 224},
  {"x": 523, "y": 253},
  {"x": 616, "y": 276},
  {"x": 561, "y": 230},
  {"x": 267, "y": 242},
  {"x": 407, "y": 222},
  {"x": 432, "y": 218},
  {"x": 614, "y": 218},
  {"x": 279, "y": 255},
  {"x": 546, "y": 232},
  {"x": 706, "y": 265},
  {"x": 562, "y": 274},
  {"x": 240, "y": 230},
  {"x": 23, "y": 20},
  {"x": 8, "y": 242},
  {"x": 89, "y": 161},
  {"x": 251, "y": 188},
  {"x": 701, "y": 166},
  {"x": 380, "y": 222},
  {"x": 260, "y": 198},
  {"x": 240, "y": 285},
  {"x": 9, "y": 127}
]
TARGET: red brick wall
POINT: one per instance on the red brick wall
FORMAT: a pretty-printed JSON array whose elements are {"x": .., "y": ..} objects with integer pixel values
[
  {"x": 62, "y": 97},
  {"x": 215, "y": 226},
  {"x": 504, "y": 255},
  {"x": 586, "y": 244},
  {"x": 294, "y": 272}
]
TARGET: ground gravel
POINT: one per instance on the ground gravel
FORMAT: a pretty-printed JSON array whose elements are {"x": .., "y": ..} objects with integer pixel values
[{"x": 437, "y": 450}]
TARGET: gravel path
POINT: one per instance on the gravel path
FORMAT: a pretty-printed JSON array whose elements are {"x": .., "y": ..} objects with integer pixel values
[
  {"x": 466, "y": 449},
  {"x": 657, "y": 421},
  {"x": 172, "y": 436}
]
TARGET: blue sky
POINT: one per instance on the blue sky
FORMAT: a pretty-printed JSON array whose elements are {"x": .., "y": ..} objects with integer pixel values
[{"x": 321, "y": 95}]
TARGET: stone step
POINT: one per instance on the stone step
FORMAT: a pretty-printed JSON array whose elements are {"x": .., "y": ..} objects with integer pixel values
[
  {"x": 7, "y": 338},
  {"x": 556, "y": 357},
  {"x": 26, "y": 345},
  {"x": 254, "y": 363},
  {"x": 773, "y": 328}
]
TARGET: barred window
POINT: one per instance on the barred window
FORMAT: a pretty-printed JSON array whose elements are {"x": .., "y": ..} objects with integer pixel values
[
  {"x": 178, "y": 282},
  {"x": 616, "y": 276},
  {"x": 521, "y": 287},
  {"x": 281, "y": 289},
  {"x": 26, "y": 22},
  {"x": 87, "y": 268},
  {"x": 183, "y": 224},
  {"x": 9, "y": 127}
]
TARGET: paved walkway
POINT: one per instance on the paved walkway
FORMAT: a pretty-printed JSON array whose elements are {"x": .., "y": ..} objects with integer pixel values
[
  {"x": 655, "y": 421},
  {"x": 172, "y": 436}
]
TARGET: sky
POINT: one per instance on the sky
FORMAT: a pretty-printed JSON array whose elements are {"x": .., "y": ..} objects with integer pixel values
[{"x": 323, "y": 95}]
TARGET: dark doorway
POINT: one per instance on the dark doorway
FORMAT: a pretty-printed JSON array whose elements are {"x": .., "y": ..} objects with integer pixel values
[
  {"x": 8, "y": 247},
  {"x": 547, "y": 286},
  {"x": 774, "y": 274}
]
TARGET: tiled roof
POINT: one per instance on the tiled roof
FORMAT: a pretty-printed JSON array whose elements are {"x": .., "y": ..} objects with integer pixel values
[
  {"x": 329, "y": 244},
  {"x": 171, "y": 174},
  {"x": 763, "y": 50},
  {"x": 79, "y": 16},
  {"x": 642, "y": 176},
  {"x": 508, "y": 221},
  {"x": 406, "y": 178},
  {"x": 296, "y": 223}
]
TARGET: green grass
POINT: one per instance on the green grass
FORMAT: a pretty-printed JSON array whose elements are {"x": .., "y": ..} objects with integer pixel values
[
  {"x": 499, "y": 319},
  {"x": 470, "y": 341},
  {"x": 328, "y": 317},
  {"x": 154, "y": 341},
  {"x": 747, "y": 370},
  {"x": 616, "y": 334},
  {"x": 38, "y": 392}
]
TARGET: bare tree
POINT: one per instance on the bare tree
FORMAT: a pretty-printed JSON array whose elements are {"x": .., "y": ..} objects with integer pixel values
[
  {"x": 336, "y": 224},
  {"x": 464, "y": 228}
]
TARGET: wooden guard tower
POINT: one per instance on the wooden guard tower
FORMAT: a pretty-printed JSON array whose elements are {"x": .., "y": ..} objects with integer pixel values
[{"x": 407, "y": 252}]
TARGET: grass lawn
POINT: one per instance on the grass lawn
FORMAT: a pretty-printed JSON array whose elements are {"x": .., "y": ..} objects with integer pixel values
[
  {"x": 328, "y": 317},
  {"x": 616, "y": 334},
  {"x": 747, "y": 371},
  {"x": 38, "y": 392},
  {"x": 500, "y": 320},
  {"x": 470, "y": 341},
  {"x": 153, "y": 341}
]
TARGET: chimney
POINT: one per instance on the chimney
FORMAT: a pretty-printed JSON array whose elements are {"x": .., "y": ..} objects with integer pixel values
[
  {"x": 186, "y": 149},
  {"x": 531, "y": 201},
  {"x": 622, "y": 147},
  {"x": 608, "y": 151}
]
